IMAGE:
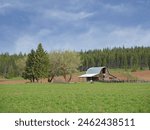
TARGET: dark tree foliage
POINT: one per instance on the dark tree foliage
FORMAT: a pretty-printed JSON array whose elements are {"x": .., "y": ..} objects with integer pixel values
[
  {"x": 41, "y": 63},
  {"x": 127, "y": 58},
  {"x": 37, "y": 65},
  {"x": 30, "y": 67}
]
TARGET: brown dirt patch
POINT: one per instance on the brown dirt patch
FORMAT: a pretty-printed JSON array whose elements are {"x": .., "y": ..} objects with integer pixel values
[
  {"x": 75, "y": 78},
  {"x": 4, "y": 81},
  {"x": 142, "y": 75},
  {"x": 59, "y": 79},
  {"x": 119, "y": 76}
]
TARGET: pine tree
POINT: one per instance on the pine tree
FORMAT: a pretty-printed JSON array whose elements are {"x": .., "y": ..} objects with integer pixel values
[
  {"x": 41, "y": 63},
  {"x": 37, "y": 65},
  {"x": 30, "y": 67}
]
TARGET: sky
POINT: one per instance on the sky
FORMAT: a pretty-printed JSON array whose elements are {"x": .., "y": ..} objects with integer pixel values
[{"x": 73, "y": 24}]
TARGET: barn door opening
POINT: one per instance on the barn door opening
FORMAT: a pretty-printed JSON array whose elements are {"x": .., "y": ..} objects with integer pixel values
[{"x": 103, "y": 70}]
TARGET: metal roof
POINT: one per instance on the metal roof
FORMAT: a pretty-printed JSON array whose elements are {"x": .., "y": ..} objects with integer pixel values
[
  {"x": 93, "y": 71},
  {"x": 87, "y": 75}
]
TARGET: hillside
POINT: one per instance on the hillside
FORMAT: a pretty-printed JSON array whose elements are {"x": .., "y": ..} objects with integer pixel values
[{"x": 128, "y": 75}]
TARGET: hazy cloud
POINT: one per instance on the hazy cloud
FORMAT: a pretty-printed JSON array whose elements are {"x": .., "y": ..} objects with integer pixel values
[
  {"x": 119, "y": 8},
  {"x": 72, "y": 24},
  {"x": 5, "y": 5},
  {"x": 66, "y": 16}
]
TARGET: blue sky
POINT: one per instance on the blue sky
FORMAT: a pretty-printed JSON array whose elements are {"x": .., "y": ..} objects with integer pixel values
[{"x": 73, "y": 24}]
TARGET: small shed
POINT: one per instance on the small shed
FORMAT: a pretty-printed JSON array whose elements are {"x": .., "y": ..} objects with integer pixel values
[{"x": 98, "y": 74}]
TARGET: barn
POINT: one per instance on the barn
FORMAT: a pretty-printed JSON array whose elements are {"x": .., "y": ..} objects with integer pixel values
[{"x": 98, "y": 74}]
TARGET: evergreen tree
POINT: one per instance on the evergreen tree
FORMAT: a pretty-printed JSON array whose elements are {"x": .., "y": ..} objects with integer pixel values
[
  {"x": 30, "y": 67},
  {"x": 37, "y": 65},
  {"x": 132, "y": 58},
  {"x": 41, "y": 63},
  {"x": 125, "y": 62}
]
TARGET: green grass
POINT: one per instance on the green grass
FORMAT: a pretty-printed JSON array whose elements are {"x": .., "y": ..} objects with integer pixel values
[{"x": 79, "y": 97}]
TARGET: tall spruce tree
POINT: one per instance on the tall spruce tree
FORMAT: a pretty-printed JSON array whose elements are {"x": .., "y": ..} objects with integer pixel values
[
  {"x": 37, "y": 65},
  {"x": 30, "y": 67},
  {"x": 41, "y": 63}
]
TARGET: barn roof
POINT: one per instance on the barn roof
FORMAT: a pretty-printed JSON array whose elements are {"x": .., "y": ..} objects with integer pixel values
[{"x": 91, "y": 72}]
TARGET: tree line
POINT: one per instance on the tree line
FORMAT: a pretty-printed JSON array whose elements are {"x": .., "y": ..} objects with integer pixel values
[
  {"x": 126, "y": 58},
  {"x": 39, "y": 64}
]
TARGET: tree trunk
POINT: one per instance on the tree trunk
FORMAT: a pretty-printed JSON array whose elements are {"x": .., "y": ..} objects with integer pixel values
[
  {"x": 65, "y": 77},
  {"x": 37, "y": 80},
  {"x": 50, "y": 79},
  {"x": 33, "y": 79},
  {"x": 70, "y": 77}
]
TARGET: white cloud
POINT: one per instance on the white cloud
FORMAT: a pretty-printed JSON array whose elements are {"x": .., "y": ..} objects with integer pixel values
[
  {"x": 7, "y": 6},
  {"x": 25, "y": 43},
  {"x": 66, "y": 16},
  {"x": 94, "y": 38},
  {"x": 131, "y": 36},
  {"x": 98, "y": 38}
]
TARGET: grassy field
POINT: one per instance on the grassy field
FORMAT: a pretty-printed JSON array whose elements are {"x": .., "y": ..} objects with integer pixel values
[{"x": 79, "y": 97}]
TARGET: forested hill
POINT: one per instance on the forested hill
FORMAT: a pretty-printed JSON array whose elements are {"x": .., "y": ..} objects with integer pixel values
[
  {"x": 126, "y": 58},
  {"x": 132, "y": 58}
]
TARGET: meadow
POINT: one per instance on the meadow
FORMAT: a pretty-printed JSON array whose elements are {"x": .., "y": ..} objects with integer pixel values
[{"x": 75, "y": 97}]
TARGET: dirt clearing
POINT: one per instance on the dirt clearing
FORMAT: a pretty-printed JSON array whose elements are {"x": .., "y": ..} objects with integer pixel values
[{"x": 142, "y": 75}]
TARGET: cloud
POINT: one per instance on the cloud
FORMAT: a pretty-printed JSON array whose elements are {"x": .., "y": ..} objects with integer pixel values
[
  {"x": 5, "y": 5},
  {"x": 66, "y": 16},
  {"x": 10, "y": 5},
  {"x": 44, "y": 32},
  {"x": 27, "y": 41},
  {"x": 74, "y": 25},
  {"x": 93, "y": 38},
  {"x": 25, "y": 44},
  {"x": 99, "y": 38},
  {"x": 118, "y": 8},
  {"x": 128, "y": 36}
]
